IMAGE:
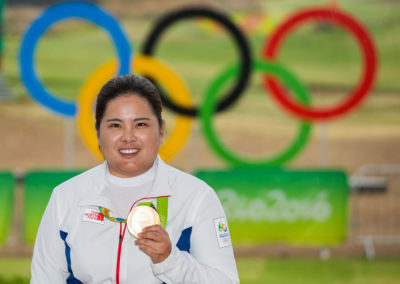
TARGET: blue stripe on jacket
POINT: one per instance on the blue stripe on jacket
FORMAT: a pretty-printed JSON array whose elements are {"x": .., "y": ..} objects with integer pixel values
[
  {"x": 183, "y": 243},
  {"x": 184, "y": 240},
  {"x": 71, "y": 278}
]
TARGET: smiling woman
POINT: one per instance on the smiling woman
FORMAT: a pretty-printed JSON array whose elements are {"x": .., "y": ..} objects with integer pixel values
[
  {"x": 81, "y": 238},
  {"x": 129, "y": 125}
]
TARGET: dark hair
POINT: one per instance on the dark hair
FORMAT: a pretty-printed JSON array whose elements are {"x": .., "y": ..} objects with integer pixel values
[{"x": 126, "y": 85}]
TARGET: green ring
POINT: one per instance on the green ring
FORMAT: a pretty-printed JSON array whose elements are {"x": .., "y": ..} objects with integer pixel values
[{"x": 209, "y": 107}]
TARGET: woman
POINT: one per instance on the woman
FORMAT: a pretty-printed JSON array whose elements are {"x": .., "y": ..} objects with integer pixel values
[{"x": 82, "y": 236}]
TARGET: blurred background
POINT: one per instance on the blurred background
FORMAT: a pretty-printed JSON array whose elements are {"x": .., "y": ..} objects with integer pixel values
[{"x": 40, "y": 147}]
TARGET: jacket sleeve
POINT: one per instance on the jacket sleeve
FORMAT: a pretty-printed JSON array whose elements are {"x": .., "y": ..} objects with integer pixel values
[
  {"x": 211, "y": 258},
  {"x": 49, "y": 263}
]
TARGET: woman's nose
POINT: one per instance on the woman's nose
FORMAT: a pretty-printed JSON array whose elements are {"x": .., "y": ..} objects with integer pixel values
[{"x": 128, "y": 135}]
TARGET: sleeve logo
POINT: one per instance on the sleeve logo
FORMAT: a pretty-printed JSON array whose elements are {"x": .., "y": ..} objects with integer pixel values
[{"x": 221, "y": 228}]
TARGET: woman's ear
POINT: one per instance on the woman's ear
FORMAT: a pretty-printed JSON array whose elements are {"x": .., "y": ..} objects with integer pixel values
[
  {"x": 162, "y": 128},
  {"x": 98, "y": 139}
]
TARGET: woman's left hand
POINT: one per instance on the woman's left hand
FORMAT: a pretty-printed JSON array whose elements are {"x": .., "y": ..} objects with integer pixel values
[{"x": 154, "y": 241}]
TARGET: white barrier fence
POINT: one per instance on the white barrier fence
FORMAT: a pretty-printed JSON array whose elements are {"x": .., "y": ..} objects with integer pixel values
[{"x": 375, "y": 208}]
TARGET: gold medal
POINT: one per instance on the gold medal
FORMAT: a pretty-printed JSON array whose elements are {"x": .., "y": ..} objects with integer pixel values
[{"x": 141, "y": 217}]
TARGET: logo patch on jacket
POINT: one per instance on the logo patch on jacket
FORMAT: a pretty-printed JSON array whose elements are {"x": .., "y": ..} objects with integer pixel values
[
  {"x": 223, "y": 237},
  {"x": 92, "y": 215}
]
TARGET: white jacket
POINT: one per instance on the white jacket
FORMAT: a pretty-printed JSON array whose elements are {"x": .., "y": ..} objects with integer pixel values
[{"x": 75, "y": 244}]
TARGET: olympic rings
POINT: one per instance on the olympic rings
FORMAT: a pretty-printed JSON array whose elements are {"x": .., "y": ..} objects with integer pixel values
[
  {"x": 54, "y": 14},
  {"x": 180, "y": 100},
  {"x": 364, "y": 40},
  {"x": 208, "y": 109},
  {"x": 243, "y": 46},
  {"x": 146, "y": 66}
]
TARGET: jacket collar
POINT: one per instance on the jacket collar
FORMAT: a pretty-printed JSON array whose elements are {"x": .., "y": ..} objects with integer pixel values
[{"x": 98, "y": 195}]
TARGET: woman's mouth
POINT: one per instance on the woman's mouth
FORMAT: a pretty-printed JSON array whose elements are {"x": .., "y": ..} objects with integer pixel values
[{"x": 128, "y": 151}]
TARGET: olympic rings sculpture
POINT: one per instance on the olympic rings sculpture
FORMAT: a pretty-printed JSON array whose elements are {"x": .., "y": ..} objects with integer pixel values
[{"x": 178, "y": 98}]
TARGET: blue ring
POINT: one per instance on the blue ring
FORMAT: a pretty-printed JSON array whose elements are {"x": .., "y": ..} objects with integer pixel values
[{"x": 74, "y": 9}]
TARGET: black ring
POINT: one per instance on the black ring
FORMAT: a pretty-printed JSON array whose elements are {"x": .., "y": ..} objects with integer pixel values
[{"x": 234, "y": 93}]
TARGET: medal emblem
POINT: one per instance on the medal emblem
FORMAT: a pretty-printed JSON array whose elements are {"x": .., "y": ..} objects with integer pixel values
[{"x": 141, "y": 217}]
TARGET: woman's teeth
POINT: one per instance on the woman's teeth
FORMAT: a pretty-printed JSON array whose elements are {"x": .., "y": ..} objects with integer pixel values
[{"x": 128, "y": 151}]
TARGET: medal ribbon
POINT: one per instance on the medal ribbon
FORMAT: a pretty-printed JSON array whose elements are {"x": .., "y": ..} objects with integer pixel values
[
  {"x": 162, "y": 210},
  {"x": 106, "y": 213}
]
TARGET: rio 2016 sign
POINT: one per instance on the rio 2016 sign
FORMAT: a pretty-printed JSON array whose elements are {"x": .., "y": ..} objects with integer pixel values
[
  {"x": 179, "y": 98},
  {"x": 274, "y": 204}
]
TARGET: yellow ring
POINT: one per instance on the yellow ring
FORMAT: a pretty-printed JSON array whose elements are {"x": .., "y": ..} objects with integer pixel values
[{"x": 145, "y": 66}]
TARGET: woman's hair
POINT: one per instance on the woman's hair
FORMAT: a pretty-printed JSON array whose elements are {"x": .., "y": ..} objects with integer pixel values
[{"x": 126, "y": 85}]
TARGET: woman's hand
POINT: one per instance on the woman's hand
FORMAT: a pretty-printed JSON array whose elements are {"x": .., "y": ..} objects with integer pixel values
[{"x": 154, "y": 241}]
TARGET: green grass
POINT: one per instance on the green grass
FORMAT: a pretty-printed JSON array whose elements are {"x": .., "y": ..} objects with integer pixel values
[
  {"x": 315, "y": 271},
  {"x": 14, "y": 270},
  {"x": 253, "y": 270}
]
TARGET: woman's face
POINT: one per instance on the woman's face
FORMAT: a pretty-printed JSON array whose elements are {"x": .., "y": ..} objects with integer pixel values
[{"x": 129, "y": 135}]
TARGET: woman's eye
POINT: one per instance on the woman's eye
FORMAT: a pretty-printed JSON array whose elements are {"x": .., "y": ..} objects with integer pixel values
[
  {"x": 141, "y": 124},
  {"x": 114, "y": 125}
]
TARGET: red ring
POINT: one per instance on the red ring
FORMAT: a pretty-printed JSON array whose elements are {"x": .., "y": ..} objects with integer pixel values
[{"x": 359, "y": 92}]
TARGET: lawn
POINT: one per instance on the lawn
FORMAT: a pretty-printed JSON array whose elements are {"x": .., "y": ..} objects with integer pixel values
[
  {"x": 315, "y": 271},
  {"x": 254, "y": 270}
]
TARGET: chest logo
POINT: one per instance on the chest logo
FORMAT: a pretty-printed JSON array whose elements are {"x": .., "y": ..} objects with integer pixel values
[{"x": 92, "y": 215}]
